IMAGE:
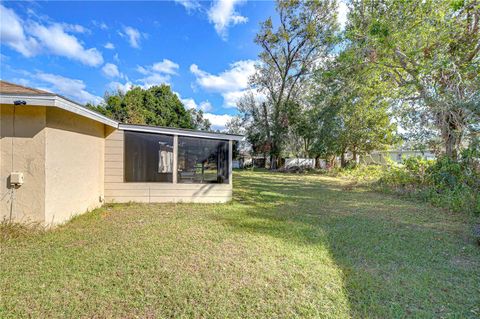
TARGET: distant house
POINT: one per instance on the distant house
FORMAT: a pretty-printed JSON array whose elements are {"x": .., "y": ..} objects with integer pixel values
[
  {"x": 397, "y": 156},
  {"x": 59, "y": 159}
]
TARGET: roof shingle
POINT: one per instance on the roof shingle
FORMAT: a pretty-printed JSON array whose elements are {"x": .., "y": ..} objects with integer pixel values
[{"x": 12, "y": 88}]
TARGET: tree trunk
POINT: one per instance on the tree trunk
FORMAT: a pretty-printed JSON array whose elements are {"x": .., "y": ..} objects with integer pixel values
[
  {"x": 317, "y": 162},
  {"x": 269, "y": 135},
  {"x": 331, "y": 162},
  {"x": 450, "y": 145},
  {"x": 355, "y": 156},
  {"x": 343, "y": 161},
  {"x": 451, "y": 133},
  {"x": 273, "y": 162}
]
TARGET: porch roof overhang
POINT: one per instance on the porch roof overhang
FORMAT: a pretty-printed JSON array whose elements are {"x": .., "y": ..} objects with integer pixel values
[{"x": 179, "y": 132}]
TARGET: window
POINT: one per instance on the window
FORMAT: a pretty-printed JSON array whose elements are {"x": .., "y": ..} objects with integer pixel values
[
  {"x": 148, "y": 157},
  {"x": 202, "y": 160}
]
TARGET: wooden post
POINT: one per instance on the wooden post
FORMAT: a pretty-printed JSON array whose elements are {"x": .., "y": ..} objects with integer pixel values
[
  {"x": 230, "y": 156},
  {"x": 175, "y": 159}
]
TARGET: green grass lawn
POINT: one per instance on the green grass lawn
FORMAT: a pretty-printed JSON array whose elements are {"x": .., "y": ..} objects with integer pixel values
[{"x": 287, "y": 246}]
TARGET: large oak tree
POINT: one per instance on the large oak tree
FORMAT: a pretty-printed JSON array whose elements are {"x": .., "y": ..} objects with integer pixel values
[
  {"x": 428, "y": 51},
  {"x": 157, "y": 106}
]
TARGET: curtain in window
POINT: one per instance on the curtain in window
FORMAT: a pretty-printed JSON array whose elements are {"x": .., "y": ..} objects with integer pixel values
[{"x": 148, "y": 157}]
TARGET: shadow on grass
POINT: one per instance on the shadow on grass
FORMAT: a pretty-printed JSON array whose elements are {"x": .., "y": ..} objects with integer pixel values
[{"x": 398, "y": 258}]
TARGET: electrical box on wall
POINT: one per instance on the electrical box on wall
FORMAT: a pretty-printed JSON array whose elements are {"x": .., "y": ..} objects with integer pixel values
[{"x": 16, "y": 178}]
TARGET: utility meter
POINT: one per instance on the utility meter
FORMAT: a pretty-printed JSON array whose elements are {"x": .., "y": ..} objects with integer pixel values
[{"x": 16, "y": 178}]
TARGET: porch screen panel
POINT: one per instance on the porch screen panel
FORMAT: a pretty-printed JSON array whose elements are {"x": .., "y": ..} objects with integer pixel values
[
  {"x": 202, "y": 160},
  {"x": 148, "y": 157}
]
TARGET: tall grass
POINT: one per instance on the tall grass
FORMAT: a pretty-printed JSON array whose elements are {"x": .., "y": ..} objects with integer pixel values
[
  {"x": 454, "y": 185},
  {"x": 12, "y": 230}
]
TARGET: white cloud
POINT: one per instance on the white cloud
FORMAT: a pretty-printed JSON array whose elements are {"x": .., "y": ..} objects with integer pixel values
[
  {"x": 3, "y": 57},
  {"x": 75, "y": 28},
  {"x": 100, "y": 24},
  {"x": 234, "y": 79},
  {"x": 230, "y": 98},
  {"x": 133, "y": 36},
  {"x": 109, "y": 45},
  {"x": 231, "y": 83},
  {"x": 24, "y": 82},
  {"x": 157, "y": 73},
  {"x": 223, "y": 15},
  {"x": 35, "y": 38},
  {"x": 342, "y": 13},
  {"x": 72, "y": 88},
  {"x": 142, "y": 70},
  {"x": 111, "y": 70},
  {"x": 205, "y": 106},
  {"x": 124, "y": 87},
  {"x": 55, "y": 39},
  {"x": 13, "y": 35},
  {"x": 218, "y": 121},
  {"x": 189, "y": 103},
  {"x": 154, "y": 79},
  {"x": 189, "y": 5},
  {"x": 165, "y": 66}
]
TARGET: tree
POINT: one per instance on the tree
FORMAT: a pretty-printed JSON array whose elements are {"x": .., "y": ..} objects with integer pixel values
[
  {"x": 157, "y": 106},
  {"x": 349, "y": 115},
  {"x": 199, "y": 121},
  {"x": 428, "y": 51},
  {"x": 305, "y": 34},
  {"x": 236, "y": 126},
  {"x": 300, "y": 133},
  {"x": 255, "y": 119}
]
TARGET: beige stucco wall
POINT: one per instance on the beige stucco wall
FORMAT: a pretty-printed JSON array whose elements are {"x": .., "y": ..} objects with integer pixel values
[
  {"x": 22, "y": 148},
  {"x": 74, "y": 165},
  {"x": 70, "y": 162},
  {"x": 116, "y": 190}
]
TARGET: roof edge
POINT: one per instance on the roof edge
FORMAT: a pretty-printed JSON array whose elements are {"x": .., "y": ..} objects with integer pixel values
[
  {"x": 55, "y": 100},
  {"x": 59, "y": 102},
  {"x": 179, "y": 132}
]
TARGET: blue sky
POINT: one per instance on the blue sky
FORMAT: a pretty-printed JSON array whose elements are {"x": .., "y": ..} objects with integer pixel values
[{"x": 204, "y": 50}]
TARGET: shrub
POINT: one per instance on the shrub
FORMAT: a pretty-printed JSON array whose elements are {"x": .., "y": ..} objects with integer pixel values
[{"x": 443, "y": 182}]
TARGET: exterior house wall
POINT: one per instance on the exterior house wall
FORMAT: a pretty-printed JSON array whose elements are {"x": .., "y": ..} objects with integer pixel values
[
  {"x": 70, "y": 163},
  {"x": 116, "y": 190},
  {"x": 74, "y": 165},
  {"x": 22, "y": 149}
]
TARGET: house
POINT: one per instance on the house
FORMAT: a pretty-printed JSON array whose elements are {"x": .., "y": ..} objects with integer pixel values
[{"x": 60, "y": 159}]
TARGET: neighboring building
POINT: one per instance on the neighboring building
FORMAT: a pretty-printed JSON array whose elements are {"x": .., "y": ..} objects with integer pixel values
[
  {"x": 397, "y": 156},
  {"x": 59, "y": 159}
]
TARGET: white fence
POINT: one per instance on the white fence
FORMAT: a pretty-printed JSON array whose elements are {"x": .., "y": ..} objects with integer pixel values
[
  {"x": 235, "y": 164},
  {"x": 381, "y": 157},
  {"x": 300, "y": 162}
]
